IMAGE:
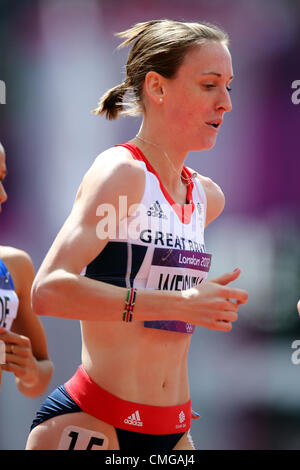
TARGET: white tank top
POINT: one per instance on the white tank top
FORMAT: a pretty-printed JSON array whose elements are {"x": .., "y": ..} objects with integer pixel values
[{"x": 160, "y": 246}]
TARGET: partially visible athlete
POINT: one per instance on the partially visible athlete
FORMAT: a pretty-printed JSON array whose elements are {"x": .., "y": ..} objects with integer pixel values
[
  {"x": 133, "y": 270},
  {"x": 23, "y": 342}
]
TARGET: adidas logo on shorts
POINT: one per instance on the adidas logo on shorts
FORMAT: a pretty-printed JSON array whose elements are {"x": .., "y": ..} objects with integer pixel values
[
  {"x": 156, "y": 211},
  {"x": 134, "y": 419}
]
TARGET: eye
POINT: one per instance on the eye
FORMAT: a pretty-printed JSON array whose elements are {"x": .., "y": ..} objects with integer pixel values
[{"x": 210, "y": 85}]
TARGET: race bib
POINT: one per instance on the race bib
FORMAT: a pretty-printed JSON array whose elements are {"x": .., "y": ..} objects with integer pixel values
[
  {"x": 176, "y": 270},
  {"x": 8, "y": 303}
]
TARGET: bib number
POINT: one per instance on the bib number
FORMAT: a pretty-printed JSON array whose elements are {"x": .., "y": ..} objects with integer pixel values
[{"x": 76, "y": 438}]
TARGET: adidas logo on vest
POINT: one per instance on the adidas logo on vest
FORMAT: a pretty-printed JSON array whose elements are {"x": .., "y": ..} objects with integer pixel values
[
  {"x": 134, "y": 419},
  {"x": 156, "y": 211}
]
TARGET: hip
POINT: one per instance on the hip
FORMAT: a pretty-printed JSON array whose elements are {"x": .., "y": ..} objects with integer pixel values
[{"x": 125, "y": 414}]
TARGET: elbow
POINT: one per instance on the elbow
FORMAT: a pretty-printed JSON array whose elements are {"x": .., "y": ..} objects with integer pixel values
[
  {"x": 47, "y": 293},
  {"x": 39, "y": 297}
]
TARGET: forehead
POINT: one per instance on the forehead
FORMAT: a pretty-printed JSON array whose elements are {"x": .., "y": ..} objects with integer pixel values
[{"x": 212, "y": 56}]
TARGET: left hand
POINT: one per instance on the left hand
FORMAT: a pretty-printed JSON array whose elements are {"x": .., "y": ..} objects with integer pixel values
[{"x": 19, "y": 358}]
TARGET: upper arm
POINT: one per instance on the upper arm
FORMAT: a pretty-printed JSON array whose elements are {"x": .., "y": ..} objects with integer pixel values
[
  {"x": 26, "y": 322},
  {"x": 214, "y": 196},
  {"x": 113, "y": 174}
]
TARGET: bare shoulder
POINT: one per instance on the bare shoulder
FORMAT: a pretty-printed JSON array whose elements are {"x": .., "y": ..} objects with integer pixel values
[
  {"x": 214, "y": 195},
  {"x": 114, "y": 173},
  {"x": 19, "y": 264},
  {"x": 117, "y": 157},
  {"x": 212, "y": 189},
  {"x": 116, "y": 163},
  {"x": 16, "y": 258}
]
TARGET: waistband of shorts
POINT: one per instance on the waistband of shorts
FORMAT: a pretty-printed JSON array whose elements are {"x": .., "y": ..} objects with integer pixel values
[{"x": 123, "y": 414}]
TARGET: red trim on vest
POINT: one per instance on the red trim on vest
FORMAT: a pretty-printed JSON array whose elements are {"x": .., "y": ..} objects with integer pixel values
[
  {"x": 183, "y": 212},
  {"x": 136, "y": 417}
]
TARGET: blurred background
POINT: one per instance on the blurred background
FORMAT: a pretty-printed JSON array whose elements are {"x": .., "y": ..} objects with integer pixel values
[{"x": 57, "y": 57}]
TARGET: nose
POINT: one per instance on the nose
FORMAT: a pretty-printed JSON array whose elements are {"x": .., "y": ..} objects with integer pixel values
[
  {"x": 225, "y": 102},
  {"x": 3, "y": 195}
]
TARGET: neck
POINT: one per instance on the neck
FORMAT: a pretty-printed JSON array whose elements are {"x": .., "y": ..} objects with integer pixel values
[{"x": 163, "y": 156}]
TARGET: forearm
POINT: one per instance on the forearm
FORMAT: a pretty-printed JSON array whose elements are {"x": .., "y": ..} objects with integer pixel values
[
  {"x": 211, "y": 304},
  {"x": 37, "y": 386},
  {"x": 76, "y": 297}
]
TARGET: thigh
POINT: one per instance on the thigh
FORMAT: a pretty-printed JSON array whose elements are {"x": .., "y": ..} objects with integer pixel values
[
  {"x": 73, "y": 431},
  {"x": 185, "y": 443}
]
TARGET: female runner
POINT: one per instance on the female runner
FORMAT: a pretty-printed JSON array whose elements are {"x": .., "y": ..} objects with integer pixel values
[
  {"x": 130, "y": 259},
  {"x": 23, "y": 342}
]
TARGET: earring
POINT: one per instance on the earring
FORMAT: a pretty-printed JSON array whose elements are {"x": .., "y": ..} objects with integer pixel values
[{"x": 161, "y": 100}]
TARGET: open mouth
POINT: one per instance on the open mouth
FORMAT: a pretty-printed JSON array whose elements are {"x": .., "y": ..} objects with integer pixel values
[{"x": 214, "y": 124}]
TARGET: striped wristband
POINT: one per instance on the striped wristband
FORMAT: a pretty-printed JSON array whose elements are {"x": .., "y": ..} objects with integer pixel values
[{"x": 129, "y": 304}]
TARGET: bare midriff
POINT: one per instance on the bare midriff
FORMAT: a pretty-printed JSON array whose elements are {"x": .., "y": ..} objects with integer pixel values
[{"x": 135, "y": 363}]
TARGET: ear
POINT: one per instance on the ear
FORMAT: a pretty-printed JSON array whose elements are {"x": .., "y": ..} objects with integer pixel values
[{"x": 153, "y": 87}]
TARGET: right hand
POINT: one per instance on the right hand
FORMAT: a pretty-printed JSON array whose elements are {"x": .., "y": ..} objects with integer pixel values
[{"x": 214, "y": 304}]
